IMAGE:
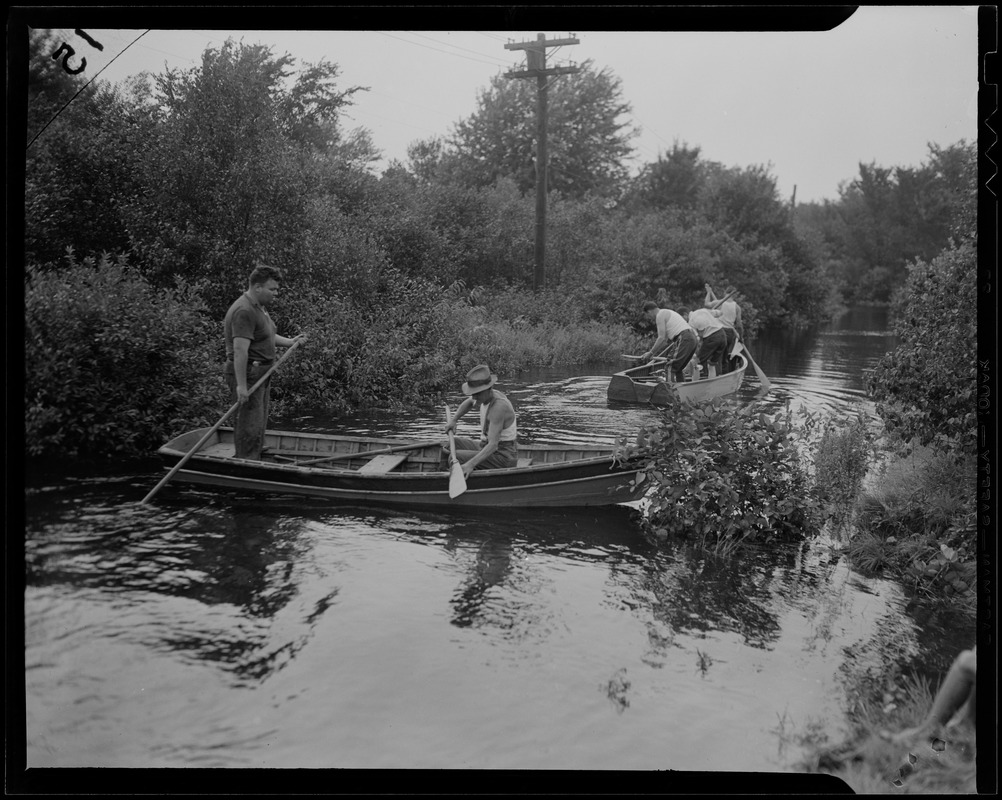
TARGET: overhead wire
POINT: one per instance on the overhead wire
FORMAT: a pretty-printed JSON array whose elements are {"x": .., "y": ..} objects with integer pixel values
[{"x": 61, "y": 110}]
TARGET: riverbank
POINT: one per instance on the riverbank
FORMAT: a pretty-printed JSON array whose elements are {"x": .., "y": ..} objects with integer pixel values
[{"x": 915, "y": 524}]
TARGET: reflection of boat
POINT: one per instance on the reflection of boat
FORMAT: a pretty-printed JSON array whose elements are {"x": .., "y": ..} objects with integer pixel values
[
  {"x": 364, "y": 469},
  {"x": 646, "y": 384}
]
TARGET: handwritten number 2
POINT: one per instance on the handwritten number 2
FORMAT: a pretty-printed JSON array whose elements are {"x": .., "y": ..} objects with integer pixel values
[{"x": 71, "y": 52}]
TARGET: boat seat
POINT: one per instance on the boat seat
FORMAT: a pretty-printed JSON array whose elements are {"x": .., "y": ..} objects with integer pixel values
[
  {"x": 384, "y": 462},
  {"x": 524, "y": 462}
]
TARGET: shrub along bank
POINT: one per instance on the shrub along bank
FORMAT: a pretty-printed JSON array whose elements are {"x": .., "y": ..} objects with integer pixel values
[{"x": 114, "y": 366}]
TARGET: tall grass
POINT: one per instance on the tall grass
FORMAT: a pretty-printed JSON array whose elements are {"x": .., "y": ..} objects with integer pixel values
[{"x": 918, "y": 523}]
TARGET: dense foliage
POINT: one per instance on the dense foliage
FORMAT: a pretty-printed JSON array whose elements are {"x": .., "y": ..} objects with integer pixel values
[
  {"x": 926, "y": 387},
  {"x": 95, "y": 332},
  {"x": 723, "y": 476},
  {"x": 887, "y": 217},
  {"x": 588, "y": 138},
  {"x": 404, "y": 279}
]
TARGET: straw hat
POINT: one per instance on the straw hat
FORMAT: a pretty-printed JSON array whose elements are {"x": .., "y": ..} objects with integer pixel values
[{"x": 478, "y": 379}]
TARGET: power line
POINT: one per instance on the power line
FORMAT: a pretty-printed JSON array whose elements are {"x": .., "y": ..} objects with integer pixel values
[
  {"x": 418, "y": 44},
  {"x": 448, "y": 44}
]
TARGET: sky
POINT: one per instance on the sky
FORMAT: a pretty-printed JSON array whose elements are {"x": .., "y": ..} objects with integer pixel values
[{"x": 810, "y": 105}]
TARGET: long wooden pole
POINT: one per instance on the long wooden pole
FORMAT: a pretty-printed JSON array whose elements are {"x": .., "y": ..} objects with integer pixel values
[{"x": 215, "y": 427}]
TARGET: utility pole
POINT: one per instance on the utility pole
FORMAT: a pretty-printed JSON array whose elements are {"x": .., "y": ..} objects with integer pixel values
[{"x": 535, "y": 58}]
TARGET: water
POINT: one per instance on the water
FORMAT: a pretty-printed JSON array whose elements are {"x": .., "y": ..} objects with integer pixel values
[{"x": 209, "y": 629}]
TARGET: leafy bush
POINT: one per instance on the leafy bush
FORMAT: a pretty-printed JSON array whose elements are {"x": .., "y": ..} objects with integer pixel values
[
  {"x": 843, "y": 450},
  {"x": 919, "y": 523},
  {"x": 112, "y": 365},
  {"x": 723, "y": 475}
]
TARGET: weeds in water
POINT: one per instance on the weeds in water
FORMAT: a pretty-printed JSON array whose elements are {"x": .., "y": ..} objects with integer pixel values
[
  {"x": 919, "y": 523},
  {"x": 843, "y": 450}
]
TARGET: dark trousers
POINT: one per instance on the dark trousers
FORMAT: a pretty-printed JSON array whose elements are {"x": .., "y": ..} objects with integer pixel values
[
  {"x": 732, "y": 337},
  {"x": 711, "y": 349},
  {"x": 505, "y": 456},
  {"x": 685, "y": 347},
  {"x": 251, "y": 418}
]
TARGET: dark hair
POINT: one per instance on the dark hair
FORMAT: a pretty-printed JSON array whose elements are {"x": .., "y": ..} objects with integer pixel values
[
  {"x": 650, "y": 305},
  {"x": 262, "y": 273},
  {"x": 683, "y": 310}
]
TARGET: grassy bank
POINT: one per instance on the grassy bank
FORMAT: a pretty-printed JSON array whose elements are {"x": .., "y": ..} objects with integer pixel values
[{"x": 914, "y": 522}]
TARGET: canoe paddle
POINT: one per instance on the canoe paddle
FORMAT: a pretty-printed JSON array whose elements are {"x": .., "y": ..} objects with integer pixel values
[
  {"x": 457, "y": 480},
  {"x": 762, "y": 379},
  {"x": 215, "y": 427}
]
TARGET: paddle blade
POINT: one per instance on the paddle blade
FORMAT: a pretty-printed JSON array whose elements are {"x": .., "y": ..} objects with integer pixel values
[{"x": 457, "y": 480}]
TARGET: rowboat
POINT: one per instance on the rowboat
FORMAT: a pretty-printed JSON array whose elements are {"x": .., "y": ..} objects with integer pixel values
[
  {"x": 381, "y": 471},
  {"x": 647, "y": 384}
]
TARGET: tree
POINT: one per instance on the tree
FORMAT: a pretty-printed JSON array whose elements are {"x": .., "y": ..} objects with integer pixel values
[
  {"x": 925, "y": 389},
  {"x": 891, "y": 216},
  {"x": 78, "y": 163},
  {"x": 673, "y": 180},
  {"x": 586, "y": 140},
  {"x": 242, "y": 145}
]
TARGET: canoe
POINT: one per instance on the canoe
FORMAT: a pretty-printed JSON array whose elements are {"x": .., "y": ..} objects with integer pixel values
[
  {"x": 351, "y": 468},
  {"x": 647, "y": 384}
]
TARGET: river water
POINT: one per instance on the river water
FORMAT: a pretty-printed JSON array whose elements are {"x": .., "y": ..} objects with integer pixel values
[{"x": 209, "y": 629}]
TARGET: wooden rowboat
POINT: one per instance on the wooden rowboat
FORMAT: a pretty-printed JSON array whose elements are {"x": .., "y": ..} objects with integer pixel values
[
  {"x": 646, "y": 384},
  {"x": 381, "y": 471}
]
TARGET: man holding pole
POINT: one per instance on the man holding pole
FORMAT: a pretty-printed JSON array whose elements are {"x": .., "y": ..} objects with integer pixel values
[
  {"x": 251, "y": 339},
  {"x": 729, "y": 314}
]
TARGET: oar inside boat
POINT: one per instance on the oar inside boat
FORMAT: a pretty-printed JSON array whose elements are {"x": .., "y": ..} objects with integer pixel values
[{"x": 345, "y": 456}]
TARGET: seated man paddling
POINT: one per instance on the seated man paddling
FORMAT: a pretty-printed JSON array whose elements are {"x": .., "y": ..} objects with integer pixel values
[{"x": 498, "y": 445}]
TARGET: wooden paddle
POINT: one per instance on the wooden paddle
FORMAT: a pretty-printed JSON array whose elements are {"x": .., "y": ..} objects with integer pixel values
[
  {"x": 215, "y": 427},
  {"x": 344, "y": 456},
  {"x": 457, "y": 480},
  {"x": 766, "y": 384},
  {"x": 722, "y": 300}
]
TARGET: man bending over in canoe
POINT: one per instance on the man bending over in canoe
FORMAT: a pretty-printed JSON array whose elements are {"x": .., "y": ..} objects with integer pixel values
[
  {"x": 672, "y": 329},
  {"x": 498, "y": 447},
  {"x": 712, "y": 339}
]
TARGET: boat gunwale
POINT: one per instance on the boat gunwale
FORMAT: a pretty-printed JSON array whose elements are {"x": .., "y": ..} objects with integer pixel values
[
  {"x": 602, "y": 454},
  {"x": 626, "y": 373}
]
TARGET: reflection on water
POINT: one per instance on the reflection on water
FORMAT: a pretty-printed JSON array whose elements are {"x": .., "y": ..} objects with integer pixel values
[{"x": 217, "y": 629}]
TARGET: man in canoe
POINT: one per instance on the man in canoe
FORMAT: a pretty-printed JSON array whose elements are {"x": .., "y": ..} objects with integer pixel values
[
  {"x": 672, "y": 330},
  {"x": 728, "y": 312},
  {"x": 498, "y": 445},
  {"x": 712, "y": 339},
  {"x": 251, "y": 339}
]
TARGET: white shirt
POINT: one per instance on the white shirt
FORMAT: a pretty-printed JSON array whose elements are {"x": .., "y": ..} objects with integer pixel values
[
  {"x": 728, "y": 313},
  {"x": 670, "y": 324},
  {"x": 703, "y": 321}
]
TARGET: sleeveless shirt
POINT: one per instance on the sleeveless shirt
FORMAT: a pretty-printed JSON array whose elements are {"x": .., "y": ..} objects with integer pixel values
[{"x": 509, "y": 434}]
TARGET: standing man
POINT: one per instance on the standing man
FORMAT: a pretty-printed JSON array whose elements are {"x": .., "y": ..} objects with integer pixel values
[
  {"x": 729, "y": 313},
  {"x": 672, "y": 329},
  {"x": 250, "y": 351},
  {"x": 712, "y": 339},
  {"x": 498, "y": 444}
]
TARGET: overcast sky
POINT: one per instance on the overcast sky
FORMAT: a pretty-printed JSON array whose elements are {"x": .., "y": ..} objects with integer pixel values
[{"x": 812, "y": 105}]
